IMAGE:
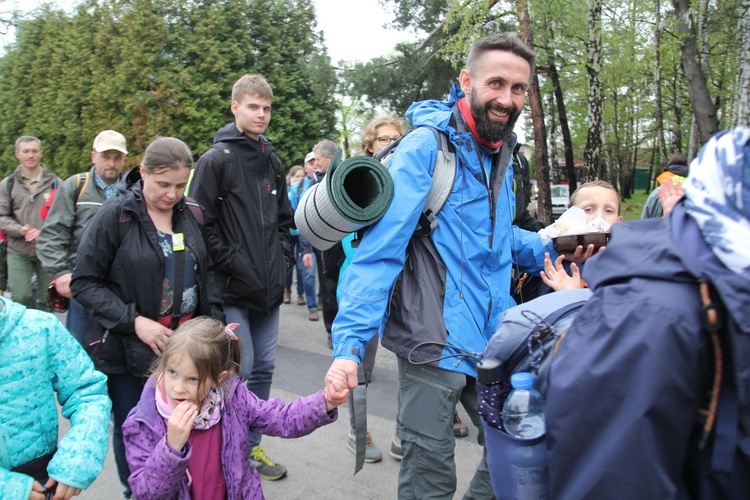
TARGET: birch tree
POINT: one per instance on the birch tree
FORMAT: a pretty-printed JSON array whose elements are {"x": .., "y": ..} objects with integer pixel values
[
  {"x": 742, "y": 99},
  {"x": 592, "y": 152}
]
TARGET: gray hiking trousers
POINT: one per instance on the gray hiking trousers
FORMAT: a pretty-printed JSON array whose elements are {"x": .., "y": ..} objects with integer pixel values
[{"x": 429, "y": 396}]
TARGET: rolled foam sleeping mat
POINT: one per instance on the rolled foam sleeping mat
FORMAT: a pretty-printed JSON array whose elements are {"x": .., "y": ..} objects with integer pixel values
[{"x": 353, "y": 194}]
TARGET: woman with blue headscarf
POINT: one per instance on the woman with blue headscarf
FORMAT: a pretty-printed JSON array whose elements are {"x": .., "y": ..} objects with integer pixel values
[{"x": 644, "y": 400}]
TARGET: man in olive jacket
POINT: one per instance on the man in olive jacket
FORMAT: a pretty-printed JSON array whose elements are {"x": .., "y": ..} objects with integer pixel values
[
  {"x": 22, "y": 196},
  {"x": 75, "y": 204}
]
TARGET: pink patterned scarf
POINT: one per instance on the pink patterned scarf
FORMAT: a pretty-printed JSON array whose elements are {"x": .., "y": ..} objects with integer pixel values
[{"x": 209, "y": 414}]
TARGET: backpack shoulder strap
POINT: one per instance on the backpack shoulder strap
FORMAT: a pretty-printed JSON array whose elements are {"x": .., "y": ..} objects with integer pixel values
[
  {"x": 11, "y": 181},
  {"x": 224, "y": 183},
  {"x": 82, "y": 180},
  {"x": 442, "y": 182},
  {"x": 196, "y": 210}
]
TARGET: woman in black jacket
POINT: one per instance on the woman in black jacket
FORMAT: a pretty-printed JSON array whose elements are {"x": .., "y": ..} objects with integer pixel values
[{"x": 125, "y": 275}]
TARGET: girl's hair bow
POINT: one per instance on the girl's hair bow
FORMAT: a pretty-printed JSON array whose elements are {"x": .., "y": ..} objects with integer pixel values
[{"x": 229, "y": 330}]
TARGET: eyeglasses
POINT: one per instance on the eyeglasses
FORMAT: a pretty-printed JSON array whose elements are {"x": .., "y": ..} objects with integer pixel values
[{"x": 384, "y": 140}]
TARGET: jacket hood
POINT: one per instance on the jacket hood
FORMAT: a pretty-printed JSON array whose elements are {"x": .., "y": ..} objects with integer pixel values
[
  {"x": 432, "y": 113},
  {"x": 679, "y": 169},
  {"x": 10, "y": 315},
  {"x": 230, "y": 134},
  {"x": 132, "y": 177},
  {"x": 669, "y": 249},
  {"x": 131, "y": 182}
]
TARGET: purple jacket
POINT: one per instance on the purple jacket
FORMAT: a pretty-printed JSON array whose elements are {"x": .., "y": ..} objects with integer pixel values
[{"x": 158, "y": 472}]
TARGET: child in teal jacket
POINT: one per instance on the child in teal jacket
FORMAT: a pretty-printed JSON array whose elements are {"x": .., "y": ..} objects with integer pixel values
[{"x": 38, "y": 360}]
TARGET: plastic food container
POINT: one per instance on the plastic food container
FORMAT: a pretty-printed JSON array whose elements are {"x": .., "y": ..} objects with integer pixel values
[{"x": 569, "y": 242}]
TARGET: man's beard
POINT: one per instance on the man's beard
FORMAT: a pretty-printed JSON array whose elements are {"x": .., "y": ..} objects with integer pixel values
[{"x": 487, "y": 129}]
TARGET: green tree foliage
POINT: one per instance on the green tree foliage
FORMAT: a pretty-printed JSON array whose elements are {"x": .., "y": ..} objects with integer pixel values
[
  {"x": 161, "y": 67},
  {"x": 444, "y": 30},
  {"x": 394, "y": 82}
]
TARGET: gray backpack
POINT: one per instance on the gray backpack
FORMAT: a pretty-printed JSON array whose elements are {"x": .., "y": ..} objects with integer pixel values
[{"x": 529, "y": 333}]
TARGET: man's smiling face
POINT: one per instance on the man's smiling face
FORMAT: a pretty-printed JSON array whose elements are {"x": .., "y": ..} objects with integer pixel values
[{"x": 496, "y": 89}]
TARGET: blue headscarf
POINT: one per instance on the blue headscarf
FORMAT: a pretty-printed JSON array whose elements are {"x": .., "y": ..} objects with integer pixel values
[{"x": 718, "y": 197}]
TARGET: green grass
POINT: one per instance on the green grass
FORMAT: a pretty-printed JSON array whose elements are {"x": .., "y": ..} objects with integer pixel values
[{"x": 631, "y": 208}]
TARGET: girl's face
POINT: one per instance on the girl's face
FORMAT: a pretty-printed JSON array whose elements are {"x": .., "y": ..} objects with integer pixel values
[
  {"x": 384, "y": 135},
  {"x": 598, "y": 201},
  {"x": 163, "y": 188},
  {"x": 181, "y": 381}
]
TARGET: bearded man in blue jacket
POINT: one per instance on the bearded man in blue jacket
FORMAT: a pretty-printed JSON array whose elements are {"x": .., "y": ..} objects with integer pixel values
[{"x": 437, "y": 299}]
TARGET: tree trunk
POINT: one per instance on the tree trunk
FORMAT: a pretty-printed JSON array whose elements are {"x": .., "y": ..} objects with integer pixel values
[
  {"x": 742, "y": 99},
  {"x": 678, "y": 92},
  {"x": 703, "y": 107},
  {"x": 552, "y": 135},
  {"x": 541, "y": 162},
  {"x": 570, "y": 167},
  {"x": 592, "y": 153},
  {"x": 656, "y": 64}
]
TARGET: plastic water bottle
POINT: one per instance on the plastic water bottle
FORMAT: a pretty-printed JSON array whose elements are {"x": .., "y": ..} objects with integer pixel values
[{"x": 523, "y": 411}]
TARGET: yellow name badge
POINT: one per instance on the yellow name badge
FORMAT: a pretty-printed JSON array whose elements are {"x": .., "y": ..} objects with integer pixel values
[{"x": 178, "y": 242}]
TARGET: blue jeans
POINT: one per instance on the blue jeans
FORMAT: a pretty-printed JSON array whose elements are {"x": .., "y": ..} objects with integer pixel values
[
  {"x": 306, "y": 282},
  {"x": 259, "y": 335},
  {"x": 125, "y": 392},
  {"x": 77, "y": 320}
]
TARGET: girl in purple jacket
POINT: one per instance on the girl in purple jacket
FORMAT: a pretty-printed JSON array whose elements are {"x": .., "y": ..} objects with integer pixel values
[{"x": 188, "y": 435}]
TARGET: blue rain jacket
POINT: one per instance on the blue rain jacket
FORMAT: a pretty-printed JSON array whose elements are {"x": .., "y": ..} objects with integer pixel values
[{"x": 447, "y": 289}]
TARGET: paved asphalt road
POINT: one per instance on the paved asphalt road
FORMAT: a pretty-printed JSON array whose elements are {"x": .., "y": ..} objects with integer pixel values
[{"x": 320, "y": 466}]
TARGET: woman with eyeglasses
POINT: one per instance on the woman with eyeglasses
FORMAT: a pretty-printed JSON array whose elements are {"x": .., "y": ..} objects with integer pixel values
[{"x": 377, "y": 134}]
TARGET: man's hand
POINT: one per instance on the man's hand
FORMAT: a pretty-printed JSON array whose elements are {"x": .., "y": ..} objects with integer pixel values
[
  {"x": 307, "y": 260},
  {"x": 180, "y": 424},
  {"x": 557, "y": 278},
  {"x": 153, "y": 334},
  {"x": 341, "y": 376},
  {"x": 62, "y": 284},
  {"x": 29, "y": 233}
]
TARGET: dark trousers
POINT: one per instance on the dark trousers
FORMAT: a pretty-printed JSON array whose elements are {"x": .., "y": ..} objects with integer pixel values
[
  {"x": 328, "y": 279},
  {"x": 125, "y": 392}
]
